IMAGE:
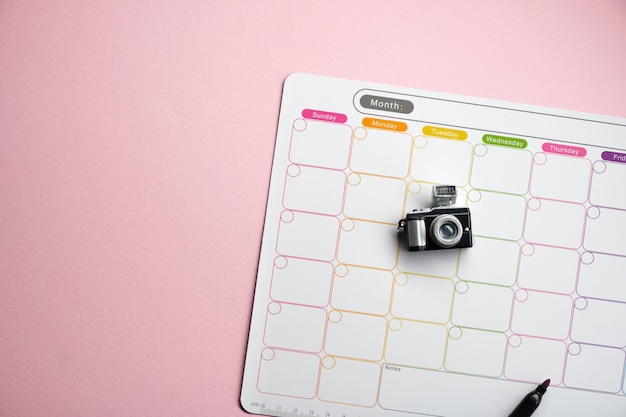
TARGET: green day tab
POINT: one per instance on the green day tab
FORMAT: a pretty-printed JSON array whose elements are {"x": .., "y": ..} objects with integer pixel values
[{"x": 505, "y": 141}]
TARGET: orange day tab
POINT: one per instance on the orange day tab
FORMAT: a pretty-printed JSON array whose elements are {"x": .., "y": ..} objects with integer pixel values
[{"x": 385, "y": 124}]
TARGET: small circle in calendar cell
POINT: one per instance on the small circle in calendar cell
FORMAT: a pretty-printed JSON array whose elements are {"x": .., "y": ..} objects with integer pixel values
[
  {"x": 354, "y": 179},
  {"x": 280, "y": 262},
  {"x": 347, "y": 225},
  {"x": 401, "y": 279},
  {"x": 593, "y": 212},
  {"x": 587, "y": 258},
  {"x": 299, "y": 125},
  {"x": 420, "y": 142},
  {"x": 395, "y": 324},
  {"x": 480, "y": 150},
  {"x": 455, "y": 333},
  {"x": 360, "y": 133},
  {"x": 521, "y": 295},
  {"x": 287, "y": 216},
  {"x": 268, "y": 354},
  {"x": 574, "y": 349},
  {"x": 540, "y": 158},
  {"x": 293, "y": 170},
  {"x": 581, "y": 303},
  {"x": 599, "y": 167},
  {"x": 334, "y": 316},
  {"x": 515, "y": 341},
  {"x": 328, "y": 362},
  {"x": 474, "y": 196},
  {"x": 341, "y": 270},
  {"x": 461, "y": 287},
  {"x": 528, "y": 249},
  {"x": 414, "y": 187},
  {"x": 534, "y": 204},
  {"x": 274, "y": 308}
]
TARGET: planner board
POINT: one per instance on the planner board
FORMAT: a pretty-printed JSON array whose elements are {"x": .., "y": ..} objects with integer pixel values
[{"x": 346, "y": 322}]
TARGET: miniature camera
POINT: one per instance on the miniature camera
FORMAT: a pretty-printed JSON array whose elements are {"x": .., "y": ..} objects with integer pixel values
[{"x": 439, "y": 227}]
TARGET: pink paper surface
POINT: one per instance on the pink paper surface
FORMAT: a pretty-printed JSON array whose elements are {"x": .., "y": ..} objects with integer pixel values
[{"x": 136, "y": 142}]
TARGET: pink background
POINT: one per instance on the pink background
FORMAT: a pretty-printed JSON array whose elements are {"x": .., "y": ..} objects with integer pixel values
[{"x": 136, "y": 142}]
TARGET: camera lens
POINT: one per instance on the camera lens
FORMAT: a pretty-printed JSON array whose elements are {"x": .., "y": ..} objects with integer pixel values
[{"x": 446, "y": 230}]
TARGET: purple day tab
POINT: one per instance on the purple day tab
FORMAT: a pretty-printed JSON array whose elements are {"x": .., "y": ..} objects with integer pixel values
[{"x": 614, "y": 156}]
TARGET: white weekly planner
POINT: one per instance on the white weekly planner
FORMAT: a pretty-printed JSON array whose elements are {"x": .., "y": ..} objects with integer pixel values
[{"x": 346, "y": 322}]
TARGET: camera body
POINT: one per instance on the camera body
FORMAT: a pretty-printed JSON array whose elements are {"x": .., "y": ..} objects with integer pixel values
[
  {"x": 440, "y": 227},
  {"x": 437, "y": 228}
]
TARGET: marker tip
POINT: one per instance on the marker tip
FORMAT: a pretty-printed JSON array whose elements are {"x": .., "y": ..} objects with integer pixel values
[{"x": 546, "y": 383}]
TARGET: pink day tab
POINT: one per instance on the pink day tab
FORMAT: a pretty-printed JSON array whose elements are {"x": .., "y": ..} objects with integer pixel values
[
  {"x": 564, "y": 149},
  {"x": 324, "y": 115}
]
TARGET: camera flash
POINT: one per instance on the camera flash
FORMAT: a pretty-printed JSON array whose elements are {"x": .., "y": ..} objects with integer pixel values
[{"x": 444, "y": 195}]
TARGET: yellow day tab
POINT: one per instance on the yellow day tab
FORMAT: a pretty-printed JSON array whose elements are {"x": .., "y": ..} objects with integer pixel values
[
  {"x": 444, "y": 132},
  {"x": 385, "y": 124}
]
